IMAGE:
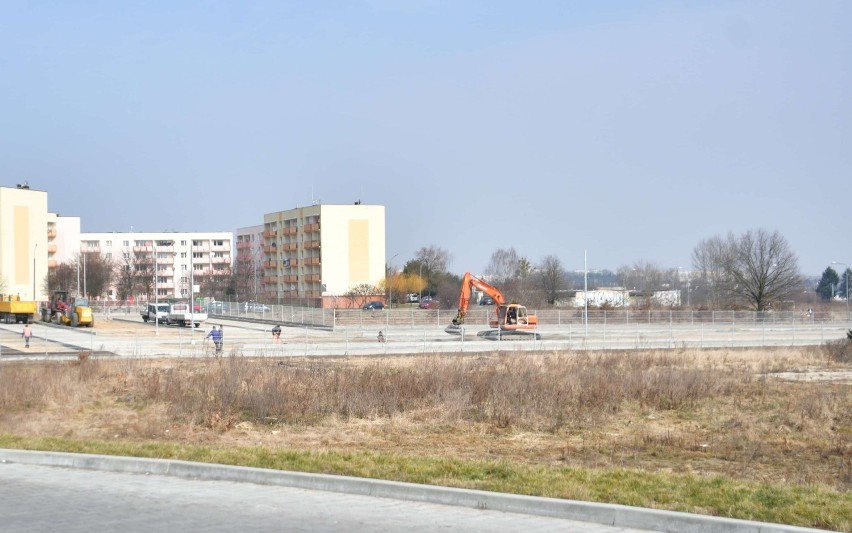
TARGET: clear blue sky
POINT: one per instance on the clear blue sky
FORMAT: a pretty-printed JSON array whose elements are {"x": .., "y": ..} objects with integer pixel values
[{"x": 630, "y": 129}]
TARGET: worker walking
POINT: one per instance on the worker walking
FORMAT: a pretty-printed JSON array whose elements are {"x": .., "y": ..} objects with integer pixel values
[
  {"x": 276, "y": 334},
  {"x": 381, "y": 337},
  {"x": 27, "y": 334},
  {"x": 216, "y": 336}
]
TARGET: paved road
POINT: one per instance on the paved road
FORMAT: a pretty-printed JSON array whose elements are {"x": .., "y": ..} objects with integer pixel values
[
  {"x": 253, "y": 339},
  {"x": 43, "y": 498}
]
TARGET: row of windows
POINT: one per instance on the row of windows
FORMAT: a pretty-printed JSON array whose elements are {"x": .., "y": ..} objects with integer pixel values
[{"x": 195, "y": 242}]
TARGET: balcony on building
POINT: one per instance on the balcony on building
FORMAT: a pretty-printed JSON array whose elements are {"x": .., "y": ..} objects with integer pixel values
[
  {"x": 289, "y": 246},
  {"x": 51, "y": 248},
  {"x": 87, "y": 249},
  {"x": 312, "y": 261},
  {"x": 51, "y": 233},
  {"x": 312, "y": 245},
  {"x": 312, "y": 228},
  {"x": 290, "y": 230},
  {"x": 270, "y": 234}
]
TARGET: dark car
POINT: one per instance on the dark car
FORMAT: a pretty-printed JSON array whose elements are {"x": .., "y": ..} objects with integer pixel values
[
  {"x": 428, "y": 304},
  {"x": 486, "y": 300},
  {"x": 373, "y": 305}
]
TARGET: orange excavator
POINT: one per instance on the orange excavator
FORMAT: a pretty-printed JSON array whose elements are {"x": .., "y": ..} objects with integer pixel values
[{"x": 510, "y": 319}]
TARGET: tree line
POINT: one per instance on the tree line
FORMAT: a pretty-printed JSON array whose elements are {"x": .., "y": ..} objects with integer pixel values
[{"x": 756, "y": 269}]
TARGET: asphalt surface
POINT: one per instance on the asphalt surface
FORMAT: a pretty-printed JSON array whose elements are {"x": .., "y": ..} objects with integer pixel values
[{"x": 46, "y": 491}]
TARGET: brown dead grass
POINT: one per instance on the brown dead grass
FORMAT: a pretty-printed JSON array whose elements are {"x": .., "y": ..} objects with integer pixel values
[{"x": 689, "y": 411}]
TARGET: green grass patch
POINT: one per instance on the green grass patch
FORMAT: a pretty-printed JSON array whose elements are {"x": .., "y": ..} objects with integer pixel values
[{"x": 808, "y": 506}]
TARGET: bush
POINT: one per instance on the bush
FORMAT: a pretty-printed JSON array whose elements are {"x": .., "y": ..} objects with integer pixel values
[{"x": 840, "y": 351}]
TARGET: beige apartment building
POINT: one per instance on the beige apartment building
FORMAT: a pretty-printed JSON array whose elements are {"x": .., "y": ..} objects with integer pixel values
[
  {"x": 23, "y": 241},
  {"x": 173, "y": 261},
  {"x": 314, "y": 255}
]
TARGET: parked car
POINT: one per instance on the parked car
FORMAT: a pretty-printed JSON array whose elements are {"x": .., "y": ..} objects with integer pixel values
[
  {"x": 486, "y": 300},
  {"x": 412, "y": 298},
  {"x": 428, "y": 304},
  {"x": 373, "y": 305}
]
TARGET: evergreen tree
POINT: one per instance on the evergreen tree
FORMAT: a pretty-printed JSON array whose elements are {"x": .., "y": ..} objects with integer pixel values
[{"x": 826, "y": 284}]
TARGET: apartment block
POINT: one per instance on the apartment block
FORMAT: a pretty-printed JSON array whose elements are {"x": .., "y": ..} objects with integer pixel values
[
  {"x": 166, "y": 264},
  {"x": 314, "y": 255},
  {"x": 23, "y": 241}
]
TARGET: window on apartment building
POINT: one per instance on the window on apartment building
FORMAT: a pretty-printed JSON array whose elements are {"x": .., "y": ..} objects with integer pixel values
[
  {"x": 198, "y": 267},
  {"x": 183, "y": 255},
  {"x": 183, "y": 267},
  {"x": 125, "y": 243},
  {"x": 164, "y": 243},
  {"x": 161, "y": 279},
  {"x": 197, "y": 255},
  {"x": 139, "y": 243},
  {"x": 218, "y": 254},
  {"x": 162, "y": 267},
  {"x": 218, "y": 243},
  {"x": 184, "y": 292},
  {"x": 109, "y": 244},
  {"x": 162, "y": 292},
  {"x": 196, "y": 242},
  {"x": 163, "y": 255},
  {"x": 183, "y": 243},
  {"x": 184, "y": 279}
]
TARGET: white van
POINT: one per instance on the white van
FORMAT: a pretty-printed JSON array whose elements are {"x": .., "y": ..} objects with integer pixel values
[{"x": 160, "y": 312}]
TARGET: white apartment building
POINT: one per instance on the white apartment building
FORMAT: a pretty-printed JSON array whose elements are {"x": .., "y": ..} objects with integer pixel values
[
  {"x": 314, "y": 255},
  {"x": 172, "y": 261}
]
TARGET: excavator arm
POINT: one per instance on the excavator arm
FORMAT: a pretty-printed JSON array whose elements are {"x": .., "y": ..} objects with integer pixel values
[{"x": 468, "y": 283}]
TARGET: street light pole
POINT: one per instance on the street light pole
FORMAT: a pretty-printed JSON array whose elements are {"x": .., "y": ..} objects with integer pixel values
[
  {"x": 34, "y": 272},
  {"x": 846, "y": 274},
  {"x": 390, "y": 286},
  {"x": 156, "y": 295},
  {"x": 420, "y": 275}
]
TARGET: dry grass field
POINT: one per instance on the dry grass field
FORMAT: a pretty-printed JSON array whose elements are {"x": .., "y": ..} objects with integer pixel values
[{"x": 765, "y": 417}]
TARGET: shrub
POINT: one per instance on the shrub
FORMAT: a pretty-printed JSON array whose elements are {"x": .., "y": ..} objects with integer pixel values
[{"x": 839, "y": 351}]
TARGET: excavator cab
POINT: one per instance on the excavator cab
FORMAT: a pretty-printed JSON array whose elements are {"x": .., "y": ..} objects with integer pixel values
[{"x": 513, "y": 317}]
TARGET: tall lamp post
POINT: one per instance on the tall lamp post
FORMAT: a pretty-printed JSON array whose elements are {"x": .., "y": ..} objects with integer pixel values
[
  {"x": 846, "y": 273},
  {"x": 34, "y": 271},
  {"x": 420, "y": 275},
  {"x": 390, "y": 286}
]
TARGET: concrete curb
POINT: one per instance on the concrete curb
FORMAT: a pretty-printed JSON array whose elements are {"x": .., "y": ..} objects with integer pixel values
[{"x": 599, "y": 513}]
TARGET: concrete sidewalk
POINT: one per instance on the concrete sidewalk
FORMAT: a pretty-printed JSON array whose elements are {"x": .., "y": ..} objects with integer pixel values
[{"x": 593, "y": 513}]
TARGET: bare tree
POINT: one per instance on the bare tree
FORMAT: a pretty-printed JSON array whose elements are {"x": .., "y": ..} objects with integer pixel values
[
  {"x": 763, "y": 269},
  {"x": 504, "y": 265},
  {"x": 247, "y": 275},
  {"x": 218, "y": 284},
  {"x": 756, "y": 268},
  {"x": 709, "y": 259},
  {"x": 434, "y": 259},
  {"x": 643, "y": 279},
  {"x": 96, "y": 271},
  {"x": 62, "y": 277},
  {"x": 551, "y": 278},
  {"x": 135, "y": 275},
  {"x": 361, "y": 294}
]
